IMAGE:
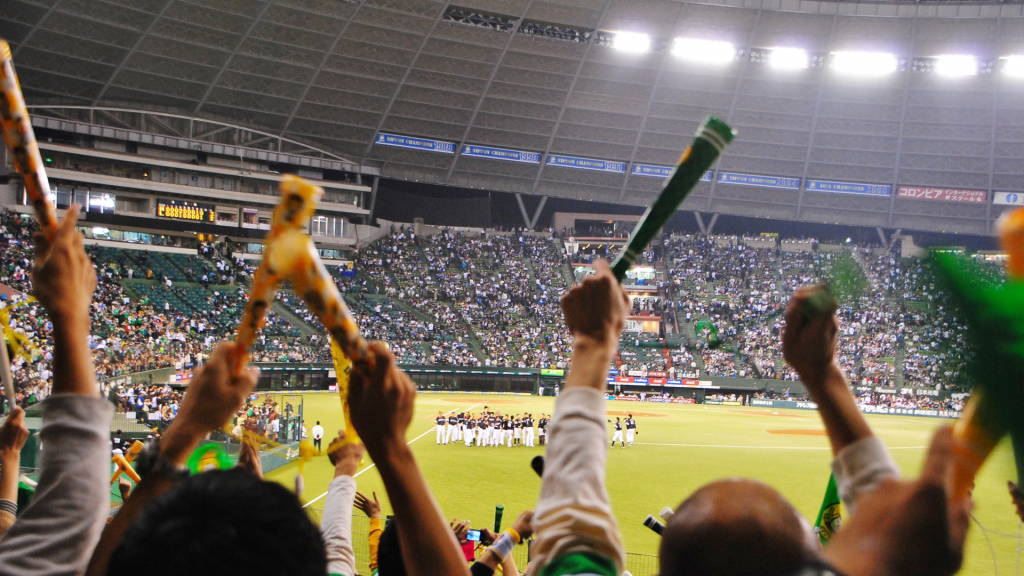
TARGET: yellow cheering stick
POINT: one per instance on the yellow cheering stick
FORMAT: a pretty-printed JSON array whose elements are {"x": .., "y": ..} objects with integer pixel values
[
  {"x": 133, "y": 452},
  {"x": 21, "y": 141}
]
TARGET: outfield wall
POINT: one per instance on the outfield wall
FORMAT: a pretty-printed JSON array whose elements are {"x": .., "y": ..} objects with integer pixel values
[{"x": 803, "y": 405}]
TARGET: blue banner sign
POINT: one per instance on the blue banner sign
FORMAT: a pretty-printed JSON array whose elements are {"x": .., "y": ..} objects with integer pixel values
[
  {"x": 586, "y": 163},
  {"x": 411, "y": 142},
  {"x": 849, "y": 188},
  {"x": 758, "y": 180},
  {"x": 501, "y": 154},
  {"x": 659, "y": 171}
]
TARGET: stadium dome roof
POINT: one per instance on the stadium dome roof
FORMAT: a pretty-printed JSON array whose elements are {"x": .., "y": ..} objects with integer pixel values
[{"x": 556, "y": 100}]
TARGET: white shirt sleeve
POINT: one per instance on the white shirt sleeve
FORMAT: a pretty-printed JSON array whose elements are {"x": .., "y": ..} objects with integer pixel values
[
  {"x": 57, "y": 531},
  {"x": 574, "y": 512},
  {"x": 860, "y": 467},
  {"x": 336, "y": 526}
]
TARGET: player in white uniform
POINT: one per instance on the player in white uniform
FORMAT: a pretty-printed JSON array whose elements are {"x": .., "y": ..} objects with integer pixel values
[
  {"x": 318, "y": 436},
  {"x": 528, "y": 432},
  {"x": 470, "y": 431},
  {"x": 453, "y": 429}
]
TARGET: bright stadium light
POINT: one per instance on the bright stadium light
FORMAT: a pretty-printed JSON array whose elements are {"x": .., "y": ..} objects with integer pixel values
[
  {"x": 788, "y": 59},
  {"x": 956, "y": 65},
  {"x": 632, "y": 42},
  {"x": 864, "y": 64},
  {"x": 703, "y": 51},
  {"x": 1014, "y": 66}
]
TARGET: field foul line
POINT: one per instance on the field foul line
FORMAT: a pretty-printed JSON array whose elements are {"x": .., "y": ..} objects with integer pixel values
[
  {"x": 749, "y": 447},
  {"x": 409, "y": 443}
]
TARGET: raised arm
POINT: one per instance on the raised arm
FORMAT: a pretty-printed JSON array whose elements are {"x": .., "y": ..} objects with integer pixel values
[
  {"x": 907, "y": 528},
  {"x": 336, "y": 522},
  {"x": 13, "y": 435},
  {"x": 57, "y": 531},
  {"x": 213, "y": 396},
  {"x": 576, "y": 531},
  {"x": 381, "y": 398},
  {"x": 809, "y": 345}
]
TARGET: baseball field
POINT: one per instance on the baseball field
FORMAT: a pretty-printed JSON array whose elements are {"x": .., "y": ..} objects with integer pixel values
[{"x": 679, "y": 448}]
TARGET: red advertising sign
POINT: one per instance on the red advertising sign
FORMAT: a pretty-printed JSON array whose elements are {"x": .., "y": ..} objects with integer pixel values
[
  {"x": 656, "y": 381},
  {"x": 624, "y": 379},
  {"x": 942, "y": 194},
  {"x": 656, "y": 374}
]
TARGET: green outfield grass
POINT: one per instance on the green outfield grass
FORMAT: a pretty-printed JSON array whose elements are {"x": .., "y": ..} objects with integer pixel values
[{"x": 680, "y": 447}]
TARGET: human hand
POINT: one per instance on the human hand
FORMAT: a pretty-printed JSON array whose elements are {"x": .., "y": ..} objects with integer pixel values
[
  {"x": 212, "y": 397},
  {"x": 524, "y": 525},
  {"x": 907, "y": 528},
  {"x": 369, "y": 507},
  {"x": 596, "y": 308},
  {"x": 344, "y": 456},
  {"x": 487, "y": 537},
  {"x": 381, "y": 399},
  {"x": 13, "y": 435},
  {"x": 63, "y": 277},
  {"x": 124, "y": 488},
  {"x": 460, "y": 528},
  {"x": 809, "y": 338}
]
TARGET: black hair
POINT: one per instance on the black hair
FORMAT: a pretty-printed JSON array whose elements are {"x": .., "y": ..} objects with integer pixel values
[
  {"x": 222, "y": 522},
  {"x": 389, "y": 551}
]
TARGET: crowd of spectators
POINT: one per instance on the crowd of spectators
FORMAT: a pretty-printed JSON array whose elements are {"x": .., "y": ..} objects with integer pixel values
[{"x": 229, "y": 519}]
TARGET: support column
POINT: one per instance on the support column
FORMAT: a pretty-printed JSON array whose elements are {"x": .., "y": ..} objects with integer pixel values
[
  {"x": 700, "y": 222},
  {"x": 711, "y": 225}
]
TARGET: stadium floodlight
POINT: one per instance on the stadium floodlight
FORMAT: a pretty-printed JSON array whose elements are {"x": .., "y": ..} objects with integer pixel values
[
  {"x": 788, "y": 59},
  {"x": 864, "y": 64},
  {"x": 1014, "y": 66},
  {"x": 703, "y": 51},
  {"x": 632, "y": 42},
  {"x": 956, "y": 65}
]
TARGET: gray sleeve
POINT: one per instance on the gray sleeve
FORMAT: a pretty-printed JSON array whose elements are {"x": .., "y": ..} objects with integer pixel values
[
  {"x": 336, "y": 526},
  {"x": 57, "y": 531},
  {"x": 859, "y": 468},
  {"x": 574, "y": 512}
]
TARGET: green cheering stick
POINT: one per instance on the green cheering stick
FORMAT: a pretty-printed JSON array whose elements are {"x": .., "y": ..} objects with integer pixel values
[{"x": 712, "y": 137}]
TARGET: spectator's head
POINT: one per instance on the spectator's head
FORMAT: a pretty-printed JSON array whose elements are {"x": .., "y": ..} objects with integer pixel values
[
  {"x": 222, "y": 522},
  {"x": 705, "y": 533}
]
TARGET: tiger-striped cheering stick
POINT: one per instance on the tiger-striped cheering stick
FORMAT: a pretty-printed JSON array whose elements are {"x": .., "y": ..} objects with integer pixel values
[
  {"x": 289, "y": 254},
  {"x": 21, "y": 141}
]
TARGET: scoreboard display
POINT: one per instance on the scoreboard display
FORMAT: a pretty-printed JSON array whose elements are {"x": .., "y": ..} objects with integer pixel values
[{"x": 182, "y": 210}]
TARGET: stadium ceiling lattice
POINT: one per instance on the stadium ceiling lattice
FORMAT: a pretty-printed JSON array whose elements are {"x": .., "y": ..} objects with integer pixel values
[{"x": 555, "y": 102}]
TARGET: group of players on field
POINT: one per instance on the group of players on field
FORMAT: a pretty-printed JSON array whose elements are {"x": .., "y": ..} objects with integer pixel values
[
  {"x": 491, "y": 429},
  {"x": 494, "y": 429}
]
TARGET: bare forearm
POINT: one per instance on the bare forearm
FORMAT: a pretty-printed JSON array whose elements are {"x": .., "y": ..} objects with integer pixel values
[
  {"x": 843, "y": 420},
  {"x": 589, "y": 366},
  {"x": 422, "y": 530},
  {"x": 9, "y": 476},
  {"x": 73, "y": 371}
]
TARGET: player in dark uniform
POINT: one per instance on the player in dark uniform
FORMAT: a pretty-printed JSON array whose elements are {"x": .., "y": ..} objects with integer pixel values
[
  {"x": 617, "y": 436},
  {"x": 631, "y": 430}
]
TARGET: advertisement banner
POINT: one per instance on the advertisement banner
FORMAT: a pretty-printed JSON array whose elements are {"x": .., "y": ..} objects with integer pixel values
[
  {"x": 1008, "y": 198},
  {"x": 552, "y": 372},
  {"x": 861, "y": 188},
  {"x": 586, "y": 163},
  {"x": 505, "y": 154},
  {"x": 739, "y": 179},
  {"x": 658, "y": 171},
  {"x": 413, "y": 143},
  {"x": 655, "y": 374},
  {"x": 656, "y": 381},
  {"x": 943, "y": 194}
]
